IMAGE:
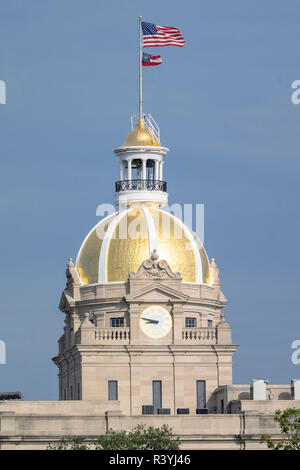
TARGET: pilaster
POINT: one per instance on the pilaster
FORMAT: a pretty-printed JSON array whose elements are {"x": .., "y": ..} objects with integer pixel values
[{"x": 177, "y": 312}]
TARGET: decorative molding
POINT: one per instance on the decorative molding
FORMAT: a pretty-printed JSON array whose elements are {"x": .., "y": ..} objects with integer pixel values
[
  {"x": 154, "y": 269},
  {"x": 157, "y": 292}
]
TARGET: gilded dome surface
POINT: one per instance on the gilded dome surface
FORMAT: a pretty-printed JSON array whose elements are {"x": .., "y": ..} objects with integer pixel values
[
  {"x": 141, "y": 137},
  {"x": 118, "y": 245}
]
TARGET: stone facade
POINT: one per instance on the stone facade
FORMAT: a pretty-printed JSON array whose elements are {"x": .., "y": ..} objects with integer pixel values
[
  {"x": 92, "y": 352},
  {"x": 33, "y": 425}
]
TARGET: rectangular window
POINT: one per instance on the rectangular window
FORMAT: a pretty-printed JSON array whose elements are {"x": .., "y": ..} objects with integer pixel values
[
  {"x": 117, "y": 322},
  {"x": 71, "y": 392},
  {"x": 209, "y": 323},
  {"x": 112, "y": 389},
  {"x": 65, "y": 394},
  {"x": 78, "y": 391},
  {"x": 201, "y": 394},
  {"x": 190, "y": 322},
  {"x": 157, "y": 394},
  {"x": 222, "y": 406}
]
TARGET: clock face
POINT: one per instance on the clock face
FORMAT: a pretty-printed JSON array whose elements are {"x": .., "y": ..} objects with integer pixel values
[{"x": 155, "y": 322}]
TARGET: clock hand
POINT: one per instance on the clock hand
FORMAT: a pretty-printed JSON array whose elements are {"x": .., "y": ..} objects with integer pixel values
[{"x": 148, "y": 320}]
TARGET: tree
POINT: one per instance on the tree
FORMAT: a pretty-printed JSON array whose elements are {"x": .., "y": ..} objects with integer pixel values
[
  {"x": 289, "y": 422},
  {"x": 70, "y": 443},
  {"x": 140, "y": 437}
]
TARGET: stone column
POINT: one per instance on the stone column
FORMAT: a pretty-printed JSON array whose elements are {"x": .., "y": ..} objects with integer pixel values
[
  {"x": 68, "y": 328},
  {"x": 101, "y": 320},
  {"x": 223, "y": 331},
  {"x": 87, "y": 331},
  {"x": 134, "y": 313},
  {"x": 76, "y": 326},
  {"x": 177, "y": 323}
]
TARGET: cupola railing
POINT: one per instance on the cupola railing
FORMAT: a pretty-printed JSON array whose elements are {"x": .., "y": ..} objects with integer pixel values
[
  {"x": 141, "y": 185},
  {"x": 149, "y": 122}
]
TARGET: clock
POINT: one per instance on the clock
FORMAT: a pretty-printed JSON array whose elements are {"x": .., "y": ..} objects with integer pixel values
[{"x": 155, "y": 322}]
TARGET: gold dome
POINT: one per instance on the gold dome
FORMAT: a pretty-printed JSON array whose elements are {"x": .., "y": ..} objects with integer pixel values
[
  {"x": 141, "y": 137},
  {"x": 121, "y": 242}
]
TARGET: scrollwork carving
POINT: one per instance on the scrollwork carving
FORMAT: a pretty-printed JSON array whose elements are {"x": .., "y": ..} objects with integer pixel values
[{"x": 154, "y": 268}]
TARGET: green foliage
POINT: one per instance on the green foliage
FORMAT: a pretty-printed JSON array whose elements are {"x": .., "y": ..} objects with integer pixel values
[
  {"x": 139, "y": 438},
  {"x": 289, "y": 422},
  {"x": 70, "y": 443}
]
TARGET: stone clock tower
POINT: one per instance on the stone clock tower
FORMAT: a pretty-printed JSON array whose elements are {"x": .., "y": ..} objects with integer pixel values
[{"x": 142, "y": 304}]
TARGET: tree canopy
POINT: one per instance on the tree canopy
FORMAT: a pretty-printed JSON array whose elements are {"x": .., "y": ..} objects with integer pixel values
[
  {"x": 289, "y": 422},
  {"x": 141, "y": 437}
]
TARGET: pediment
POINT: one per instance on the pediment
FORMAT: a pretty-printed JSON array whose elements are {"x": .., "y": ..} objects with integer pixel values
[
  {"x": 66, "y": 301},
  {"x": 157, "y": 292}
]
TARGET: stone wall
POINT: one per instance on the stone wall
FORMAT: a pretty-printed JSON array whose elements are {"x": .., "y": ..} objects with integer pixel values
[{"x": 32, "y": 425}]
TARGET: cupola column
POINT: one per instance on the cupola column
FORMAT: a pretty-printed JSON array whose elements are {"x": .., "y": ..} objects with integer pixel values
[
  {"x": 121, "y": 170},
  {"x": 161, "y": 170},
  {"x": 144, "y": 168},
  {"x": 129, "y": 169},
  {"x": 156, "y": 177}
]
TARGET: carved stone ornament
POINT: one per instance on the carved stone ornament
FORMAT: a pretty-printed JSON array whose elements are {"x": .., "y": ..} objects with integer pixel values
[
  {"x": 154, "y": 268},
  {"x": 214, "y": 270},
  {"x": 71, "y": 275}
]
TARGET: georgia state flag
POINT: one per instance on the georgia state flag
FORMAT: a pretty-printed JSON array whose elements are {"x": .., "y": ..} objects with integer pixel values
[{"x": 151, "y": 59}]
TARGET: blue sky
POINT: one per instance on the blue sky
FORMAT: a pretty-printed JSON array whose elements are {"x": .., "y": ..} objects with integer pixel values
[{"x": 223, "y": 103}]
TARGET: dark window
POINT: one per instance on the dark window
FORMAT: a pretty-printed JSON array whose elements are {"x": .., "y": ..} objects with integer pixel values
[
  {"x": 71, "y": 392},
  {"x": 78, "y": 391},
  {"x": 112, "y": 390},
  {"x": 157, "y": 394},
  {"x": 190, "y": 322},
  {"x": 201, "y": 394},
  {"x": 117, "y": 322},
  {"x": 209, "y": 323},
  {"x": 222, "y": 406},
  {"x": 150, "y": 169},
  {"x": 65, "y": 394}
]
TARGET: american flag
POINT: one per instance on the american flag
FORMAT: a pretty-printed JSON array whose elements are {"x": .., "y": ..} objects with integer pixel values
[{"x": 156, "y": 36}]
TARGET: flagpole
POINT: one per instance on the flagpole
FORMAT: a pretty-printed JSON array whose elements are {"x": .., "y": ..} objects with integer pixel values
[{"x": 140, "y": 70}]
